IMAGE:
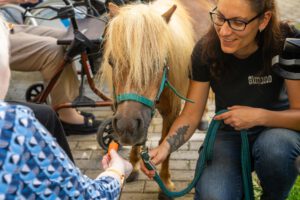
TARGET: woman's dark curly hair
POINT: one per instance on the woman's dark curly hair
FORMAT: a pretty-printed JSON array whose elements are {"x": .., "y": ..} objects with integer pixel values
[{"x": 270, "y": 40}]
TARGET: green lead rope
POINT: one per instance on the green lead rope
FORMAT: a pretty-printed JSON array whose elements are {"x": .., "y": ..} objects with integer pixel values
[{"x": 205, "y": 156}]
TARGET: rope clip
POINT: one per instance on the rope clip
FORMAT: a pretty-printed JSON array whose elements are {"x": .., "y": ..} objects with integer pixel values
[{"x": 146, "y": 158}]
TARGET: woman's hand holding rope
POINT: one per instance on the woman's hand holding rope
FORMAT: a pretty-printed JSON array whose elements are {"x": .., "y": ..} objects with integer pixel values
[
  {"x": 242, "y": 117},
  {"x": 157, "y": 156}
]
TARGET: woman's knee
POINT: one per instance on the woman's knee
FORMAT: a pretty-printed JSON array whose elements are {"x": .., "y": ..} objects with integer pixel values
[
  {"x": 274, "y": 152},
  {"x": 277, "y": 142},
  {"x": 276, "y": 149}
]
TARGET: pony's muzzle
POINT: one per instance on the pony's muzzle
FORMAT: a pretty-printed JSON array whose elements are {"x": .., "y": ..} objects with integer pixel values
[{"x": 129, "y": 130}]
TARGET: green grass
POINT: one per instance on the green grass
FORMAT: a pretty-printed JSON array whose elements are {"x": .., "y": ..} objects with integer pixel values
[{"x": 294, "y": 194}]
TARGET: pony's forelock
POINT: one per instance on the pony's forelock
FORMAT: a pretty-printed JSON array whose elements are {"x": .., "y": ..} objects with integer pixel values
[{"x": 139, "y": 42}]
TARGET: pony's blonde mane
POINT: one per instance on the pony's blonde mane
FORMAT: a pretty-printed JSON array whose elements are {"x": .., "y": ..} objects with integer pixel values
[{"x": 139, "y": 42}]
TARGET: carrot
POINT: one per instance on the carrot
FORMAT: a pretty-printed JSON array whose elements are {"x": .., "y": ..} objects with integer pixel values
[{"x": 113, "y": 145}]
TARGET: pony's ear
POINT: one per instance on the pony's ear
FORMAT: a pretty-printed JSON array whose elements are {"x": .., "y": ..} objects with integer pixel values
[
  {"x": 113, "y": 9},
  {"x": 167, "y": 15}
]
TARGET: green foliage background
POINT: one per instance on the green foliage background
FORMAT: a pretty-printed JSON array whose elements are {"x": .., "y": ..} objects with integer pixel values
[{"x": 294, "y": 194}]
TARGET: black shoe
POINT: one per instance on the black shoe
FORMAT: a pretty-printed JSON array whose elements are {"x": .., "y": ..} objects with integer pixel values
[
  {"x": 86, "y": 114},
  {"x": 90, "y": 126}
]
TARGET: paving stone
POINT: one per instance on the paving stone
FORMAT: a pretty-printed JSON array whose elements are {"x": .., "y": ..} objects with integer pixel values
[
  {"x": 195, "y": 145},
  {"x": 182, "y": 175},
  {"x": 151, "y": 186},
  {"x": 185, "y": 147},
  {"x": 136, "y": 186},
  {"x": 142, "y": 176},
  {"x": 89, "y": 164},
  {"x": 154, "y": 136},
  {"x": 73, "y": 144},
  {"x": 83, "y": 155},
  {"x": 157, "y": 120},
  {"x": 193, "y": 164},
  {"x": 89, "y": 145},
  {"x": 180, "y": 185},
  {"x": 179, "y": 164},
  {"x": 153, "y": 144},
  {"x": 150, "y": 129},
  {"x": 139, "y": 196},
  {"x": 157, "y": 128},
  {"x": 186, "y": 155},
  {"x": 198, "y": 136}
]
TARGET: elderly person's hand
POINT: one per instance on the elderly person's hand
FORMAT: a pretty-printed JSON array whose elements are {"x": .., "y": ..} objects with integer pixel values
[{"x": 116, "y": 166}]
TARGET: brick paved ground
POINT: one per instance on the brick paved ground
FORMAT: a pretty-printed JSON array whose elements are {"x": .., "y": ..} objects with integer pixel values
[{"x": 87, "y": 152}]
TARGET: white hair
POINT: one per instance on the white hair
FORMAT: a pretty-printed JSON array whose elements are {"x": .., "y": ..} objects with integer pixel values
[{"x": 4, "y": 59}]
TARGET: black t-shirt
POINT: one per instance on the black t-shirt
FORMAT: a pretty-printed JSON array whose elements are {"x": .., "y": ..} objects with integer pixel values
[{"x": 243, "y": 85}]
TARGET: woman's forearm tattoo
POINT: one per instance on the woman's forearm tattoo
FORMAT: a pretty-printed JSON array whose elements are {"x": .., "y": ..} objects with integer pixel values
[{"x": 177, "y": 140}]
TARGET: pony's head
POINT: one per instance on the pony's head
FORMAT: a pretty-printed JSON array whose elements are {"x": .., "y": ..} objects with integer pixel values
[{"x": 139, "y": 45}]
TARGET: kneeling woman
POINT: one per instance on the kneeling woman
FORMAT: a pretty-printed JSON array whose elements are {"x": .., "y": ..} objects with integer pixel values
[{"x": 234, "y": 59}]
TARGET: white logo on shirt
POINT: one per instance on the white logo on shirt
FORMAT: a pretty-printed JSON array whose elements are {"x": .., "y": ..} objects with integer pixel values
[{"x": 259, "y": 80}]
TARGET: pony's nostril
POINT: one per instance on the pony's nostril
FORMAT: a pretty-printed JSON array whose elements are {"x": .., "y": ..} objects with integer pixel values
[{"x": 140, "y": 124}]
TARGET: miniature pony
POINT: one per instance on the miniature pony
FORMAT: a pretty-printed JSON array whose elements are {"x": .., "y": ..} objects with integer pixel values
[{"x": 145, "y": 44}]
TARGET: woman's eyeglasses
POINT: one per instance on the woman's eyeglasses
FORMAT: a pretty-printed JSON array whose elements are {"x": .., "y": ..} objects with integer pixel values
[{"x": 235, "y": 24}]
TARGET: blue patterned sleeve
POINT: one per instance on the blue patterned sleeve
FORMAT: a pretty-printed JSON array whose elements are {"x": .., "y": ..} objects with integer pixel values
[{"x": 33, "y": 166}]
